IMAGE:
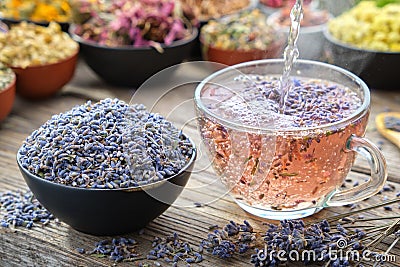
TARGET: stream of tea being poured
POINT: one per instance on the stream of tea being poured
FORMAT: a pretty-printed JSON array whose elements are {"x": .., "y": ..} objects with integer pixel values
[{"x": 291, "y": 52}]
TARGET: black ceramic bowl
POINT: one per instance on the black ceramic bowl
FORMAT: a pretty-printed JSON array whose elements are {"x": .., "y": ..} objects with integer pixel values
[
  {"x": 131, "y": 66},
  {"x": 108, "y": 211},
  {"x": 380, "y": 70}
]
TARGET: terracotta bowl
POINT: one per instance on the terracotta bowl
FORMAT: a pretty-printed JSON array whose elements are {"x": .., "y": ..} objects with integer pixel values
[
  {"x": 7, "y": 96},
  {"x": 108, "y": 211},
  {"x": 232, "y": 57},
  {"x": 196, "y": 53},
  {"x": 38, "y": 82}
]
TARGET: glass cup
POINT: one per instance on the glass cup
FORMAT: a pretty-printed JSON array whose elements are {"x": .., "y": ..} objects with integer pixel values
[{"x": 276, "y": 170}]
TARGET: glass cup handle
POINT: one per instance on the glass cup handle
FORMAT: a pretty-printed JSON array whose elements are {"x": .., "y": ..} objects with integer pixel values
[{"x": 378, "y": 173}]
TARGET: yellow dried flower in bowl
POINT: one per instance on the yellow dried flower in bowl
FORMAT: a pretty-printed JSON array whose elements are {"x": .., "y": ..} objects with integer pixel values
[
  {"x": 27, "y": 44},
  {"x": 369, "y": 27},
  {"x": 36, "y": 10}
]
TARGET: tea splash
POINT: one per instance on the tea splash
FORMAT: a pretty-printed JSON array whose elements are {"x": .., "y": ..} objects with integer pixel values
[{"x": 291, "y": 52}]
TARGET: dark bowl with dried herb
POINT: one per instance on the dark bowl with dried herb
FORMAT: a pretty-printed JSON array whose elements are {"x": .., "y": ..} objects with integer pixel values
[
  {"x": 130, "y": 66},
  {"x": 378, "y": 69},
  {"x": 106, "y": 168},
  {"x": 125, "y": 49}
]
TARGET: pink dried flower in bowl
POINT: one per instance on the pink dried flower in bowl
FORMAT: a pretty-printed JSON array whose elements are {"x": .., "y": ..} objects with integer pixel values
[{"x": 140, "y": 23}]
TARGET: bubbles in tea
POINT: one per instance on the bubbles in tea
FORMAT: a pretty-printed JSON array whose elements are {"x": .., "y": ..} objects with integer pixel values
[{"x": 264, "y": 156}]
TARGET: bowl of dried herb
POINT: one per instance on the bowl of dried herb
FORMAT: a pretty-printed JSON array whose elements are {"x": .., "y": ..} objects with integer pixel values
[
  {"x": 240, "y": 37},
  {"x": 125, "y": 49},
  {"x": 7, "y": 91},
  {"x": 38, "y": 12},
  {"x": 107, "y": 168},
  {"x": 34, "y": 52},
  {"x": 357, "y": 42}
]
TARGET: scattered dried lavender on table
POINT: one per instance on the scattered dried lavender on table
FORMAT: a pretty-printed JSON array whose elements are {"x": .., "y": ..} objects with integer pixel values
[
  {"x": 327, "y": 239},
  {"x": 22, "y": 209},
  {"x": 233, "y": 238},
  {"x": 294, "y": 235},
  {"x": 346, "y": 232},
  {"x": 108, "y": 144},
  {"x": 172, "y": 250},
  {"x": 117, "y": 249}
]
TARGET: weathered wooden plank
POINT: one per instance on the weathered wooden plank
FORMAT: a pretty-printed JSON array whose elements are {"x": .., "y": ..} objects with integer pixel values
[{"x": 54, "y": 245}]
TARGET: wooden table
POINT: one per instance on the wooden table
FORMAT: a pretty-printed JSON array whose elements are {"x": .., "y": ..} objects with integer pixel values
[{"x": 55, "y": 245}]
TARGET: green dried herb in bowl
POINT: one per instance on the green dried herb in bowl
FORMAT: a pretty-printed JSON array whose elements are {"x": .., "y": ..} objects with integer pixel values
[
  {"x": 6, "y": 77},
  {"x": 245, "y": 31},
  {"x": 7, "y": 91}
]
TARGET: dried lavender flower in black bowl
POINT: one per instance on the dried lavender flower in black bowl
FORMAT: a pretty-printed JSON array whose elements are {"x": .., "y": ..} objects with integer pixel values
[{"x": 106, "y": 168}]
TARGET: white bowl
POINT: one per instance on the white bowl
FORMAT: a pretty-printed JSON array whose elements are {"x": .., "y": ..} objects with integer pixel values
[{"x": 311, "y": 40}]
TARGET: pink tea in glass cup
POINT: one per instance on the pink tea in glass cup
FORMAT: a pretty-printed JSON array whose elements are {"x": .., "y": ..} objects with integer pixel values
[{"x": 291, "y": 164}]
